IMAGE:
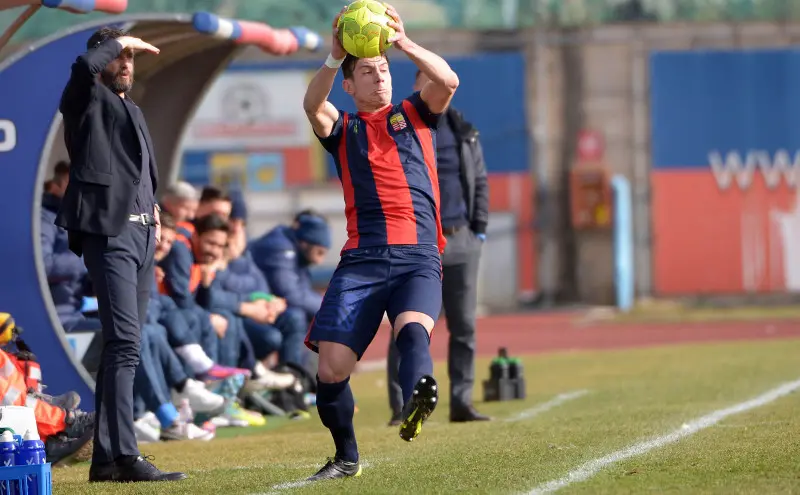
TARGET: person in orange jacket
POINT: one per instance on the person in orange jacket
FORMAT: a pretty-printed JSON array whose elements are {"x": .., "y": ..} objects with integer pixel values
[{"x": 63, "y": 428}]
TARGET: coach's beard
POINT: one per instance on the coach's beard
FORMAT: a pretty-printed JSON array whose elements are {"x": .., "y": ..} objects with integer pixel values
[{"x": 118, "y": 83}]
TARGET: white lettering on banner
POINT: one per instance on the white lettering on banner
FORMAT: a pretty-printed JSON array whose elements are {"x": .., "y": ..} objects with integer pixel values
[
  {"x": 8, "y": 135},
  {"x": 774, "y": 169}
]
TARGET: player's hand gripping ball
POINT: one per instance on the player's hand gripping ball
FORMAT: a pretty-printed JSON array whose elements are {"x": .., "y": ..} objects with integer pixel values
[{"x": 363, "y": 31}]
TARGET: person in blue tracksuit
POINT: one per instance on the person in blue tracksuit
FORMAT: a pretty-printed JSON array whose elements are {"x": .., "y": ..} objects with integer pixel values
[
  {"x": 181, "y": 284},
  {"x": 66, "y": 273},
  {"x": 285, "y": 254},
  {"x": 189, "y": 270},
  {"x": 189, "y": 333},
  {"x": 241, "y": 281}
]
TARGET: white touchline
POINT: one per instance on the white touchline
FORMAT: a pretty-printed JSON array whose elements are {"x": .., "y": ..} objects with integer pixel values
[
  {"x": 592, "y": 467},
  {"x": 546, "y": 406},
  {"x": 301, "y": 483}
]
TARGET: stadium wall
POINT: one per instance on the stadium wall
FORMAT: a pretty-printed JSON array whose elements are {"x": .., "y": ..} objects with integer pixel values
[{"x": 664, "y": 98}]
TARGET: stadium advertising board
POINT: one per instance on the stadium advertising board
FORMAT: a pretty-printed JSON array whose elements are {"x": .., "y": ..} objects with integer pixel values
[{"x": 726, "y": 165}]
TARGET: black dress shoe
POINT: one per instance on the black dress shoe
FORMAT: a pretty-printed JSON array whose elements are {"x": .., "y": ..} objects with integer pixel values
[
  {"x": 101, "y": 472},
  {"x": 140, "y": 469},
  {"x": 467, "y": 414},
  {"x": 131, "y": 470}
]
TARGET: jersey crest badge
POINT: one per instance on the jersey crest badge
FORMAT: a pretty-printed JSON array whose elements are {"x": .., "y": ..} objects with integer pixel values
[{"x": 398, "y": 122}]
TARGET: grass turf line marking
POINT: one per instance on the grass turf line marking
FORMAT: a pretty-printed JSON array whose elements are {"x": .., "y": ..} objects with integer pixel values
[
  {"x": 546, "y": 406},
  {"x": 592, "y": 467},
  {"x": 289, "y": 485}
]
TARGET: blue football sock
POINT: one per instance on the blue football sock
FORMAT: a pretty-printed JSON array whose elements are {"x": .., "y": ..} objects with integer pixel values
[
  {"x": 335, "y": 405},
  {"x": 415, "y": 357}
]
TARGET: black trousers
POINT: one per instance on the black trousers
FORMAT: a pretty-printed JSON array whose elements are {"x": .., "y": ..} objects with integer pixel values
[{"x": 122, "y": 272}]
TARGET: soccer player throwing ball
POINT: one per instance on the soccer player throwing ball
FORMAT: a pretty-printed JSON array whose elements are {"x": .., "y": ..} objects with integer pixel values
[{"x": 391, "y": 262}]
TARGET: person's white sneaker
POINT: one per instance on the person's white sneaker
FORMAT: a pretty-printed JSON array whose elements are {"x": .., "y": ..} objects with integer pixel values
[
  {"x": 185, "y": 431},
  {"x": 145, "y": 431},
  {"x": 200, "y": 398},
  {"x": 264, "y": 378},
  {"x": 150, "y": 418}
]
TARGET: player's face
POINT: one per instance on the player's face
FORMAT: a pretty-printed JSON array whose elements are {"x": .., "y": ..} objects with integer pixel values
[
  {"x": 371, "y": 84},
  {"x": 212, "y": 246},
  {"x": 220, "y": 208},
  {"x": 315, "y": 255},
  {"x": 163, "y": 248},
  {"x": 118, "y": 75}
]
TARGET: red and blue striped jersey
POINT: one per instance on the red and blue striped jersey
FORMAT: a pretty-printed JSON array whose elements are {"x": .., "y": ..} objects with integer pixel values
[{"x": 386, "y": 162}]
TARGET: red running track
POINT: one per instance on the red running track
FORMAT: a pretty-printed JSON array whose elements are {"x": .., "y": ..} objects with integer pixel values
[{"x": 534, "y": 333}]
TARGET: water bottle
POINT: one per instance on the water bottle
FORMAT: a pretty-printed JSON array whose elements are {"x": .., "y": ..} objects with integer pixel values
[
  {"x": 8, "y": 449},
  {"x": 8, "y": 452},
  {"x": 31, "y": 452},
  {"x": 499, "y": 367},
  {"x": 514, "y": 368}
]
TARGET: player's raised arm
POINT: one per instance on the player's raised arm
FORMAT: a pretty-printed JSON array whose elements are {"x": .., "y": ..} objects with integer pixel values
[
  {"x": 321, "y": 113},
  {"x": 443, "y": 83}
]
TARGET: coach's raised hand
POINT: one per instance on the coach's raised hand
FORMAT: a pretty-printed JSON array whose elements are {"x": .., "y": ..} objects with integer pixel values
[{"x": 135, "y": 44}]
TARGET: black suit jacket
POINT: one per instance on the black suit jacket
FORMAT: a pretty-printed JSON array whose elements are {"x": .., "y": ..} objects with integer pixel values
[{"x": 104, "y": 150}]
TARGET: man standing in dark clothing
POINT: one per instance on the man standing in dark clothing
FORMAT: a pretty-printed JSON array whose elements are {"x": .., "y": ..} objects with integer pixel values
[
  {"x": 110, "y": 212},
  {"x": 464, "y": 207}
]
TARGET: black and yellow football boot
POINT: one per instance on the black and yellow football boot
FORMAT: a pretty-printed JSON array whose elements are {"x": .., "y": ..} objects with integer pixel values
[
  {"x": 419, "y": 408},
  {"x": 336, "y": 469}
]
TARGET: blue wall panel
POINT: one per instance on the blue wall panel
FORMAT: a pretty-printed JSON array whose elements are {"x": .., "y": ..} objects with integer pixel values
[
  {"x": 491, "y": 95},
  {"x": 723, "y": 100}
]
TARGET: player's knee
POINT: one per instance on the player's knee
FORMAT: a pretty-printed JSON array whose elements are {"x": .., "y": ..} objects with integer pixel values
[
  {"x": 407, "y": 317},
  {"x": 329, "y": 374},
  {"x": 336, "y": 362}
]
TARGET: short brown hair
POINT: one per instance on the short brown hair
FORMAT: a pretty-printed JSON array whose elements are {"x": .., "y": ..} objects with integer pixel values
[
  {"x": 349, "y": 64},
  {"x": 211, "y": 223},
  {"x": 61, "y": 172},
  {"x": 211, "y": 193}
]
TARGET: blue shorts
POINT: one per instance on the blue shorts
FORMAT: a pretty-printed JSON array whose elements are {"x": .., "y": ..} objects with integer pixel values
[{"x": 373, "y": 280}]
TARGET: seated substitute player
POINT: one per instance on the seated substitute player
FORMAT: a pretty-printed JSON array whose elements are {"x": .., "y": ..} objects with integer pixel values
[{"x": 391, "y": 263}]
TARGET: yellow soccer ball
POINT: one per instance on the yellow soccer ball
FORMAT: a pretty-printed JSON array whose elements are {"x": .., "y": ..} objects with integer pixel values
[{"x": 362, "y": 29}]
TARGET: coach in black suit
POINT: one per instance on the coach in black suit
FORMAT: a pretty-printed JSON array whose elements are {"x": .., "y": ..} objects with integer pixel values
[{"x": 110, "y": 212}]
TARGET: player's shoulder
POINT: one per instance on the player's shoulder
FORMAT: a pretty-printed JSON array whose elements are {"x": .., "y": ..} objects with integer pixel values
[{"x": 415, "y": 99}]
